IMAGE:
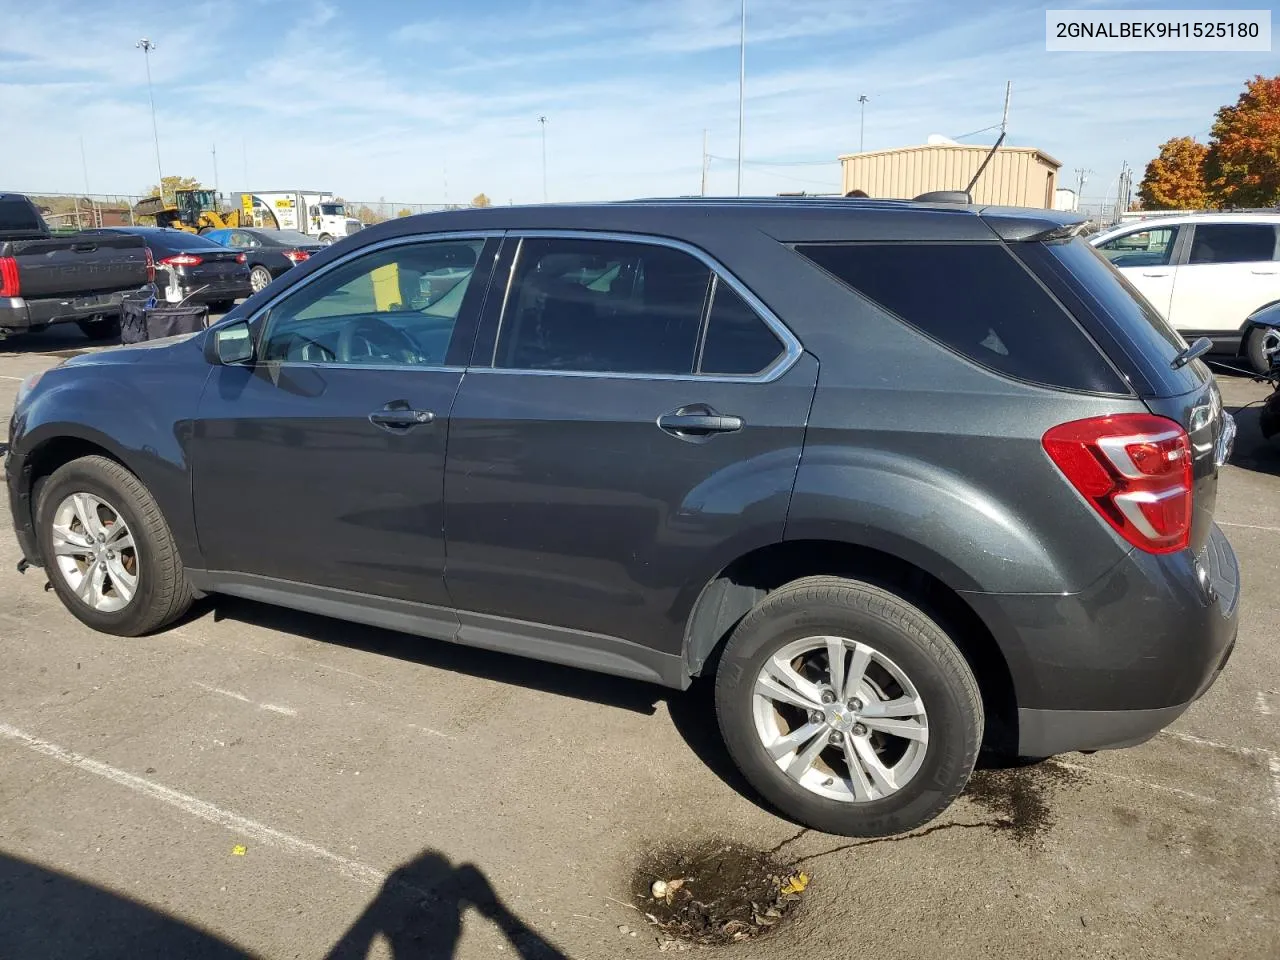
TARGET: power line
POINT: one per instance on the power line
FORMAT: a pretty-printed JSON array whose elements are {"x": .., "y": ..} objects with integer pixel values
[
  {"x": 775, "y": 163},
  {"x": 994, "y": 126}
]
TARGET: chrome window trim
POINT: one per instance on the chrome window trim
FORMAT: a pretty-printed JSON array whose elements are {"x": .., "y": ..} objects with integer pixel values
[
  {"x": 791, "y": 347},
  {"x": 263, "y": 310}
]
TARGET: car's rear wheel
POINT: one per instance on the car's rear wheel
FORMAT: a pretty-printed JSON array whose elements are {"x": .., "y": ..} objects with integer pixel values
[
  {"x": 108, "y": 552},
  {"x": 259, "y": 277},
  {"x": 848, "y": 708}
]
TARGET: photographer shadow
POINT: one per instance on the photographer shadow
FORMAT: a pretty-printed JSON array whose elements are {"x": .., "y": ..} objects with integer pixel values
[{"x": 419, "y": 912}]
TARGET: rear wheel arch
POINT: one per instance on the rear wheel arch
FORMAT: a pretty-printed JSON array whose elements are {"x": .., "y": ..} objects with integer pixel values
[{"x": 741, "y": 585}]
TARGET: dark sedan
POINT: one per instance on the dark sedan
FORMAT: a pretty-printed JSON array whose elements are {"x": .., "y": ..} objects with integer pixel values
[
  {"x": 202, "y": 271},
  {"x": 269, "y": 252}
]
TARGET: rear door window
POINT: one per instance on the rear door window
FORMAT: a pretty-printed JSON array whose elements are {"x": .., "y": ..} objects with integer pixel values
[
  {"x": 1233, "y": 243},
  {"x": 603, "y": 306},
  {"x": 979, "y": 301}
]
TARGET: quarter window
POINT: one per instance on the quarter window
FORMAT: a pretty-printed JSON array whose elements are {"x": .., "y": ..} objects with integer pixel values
[
  {"x": 393, "y": 306},
  {"x": 603, "y": 306},
  {"x": 737, "y": 342},
  {"x": 977, "y": 300},
  {"x": 1233, "y": 243}
]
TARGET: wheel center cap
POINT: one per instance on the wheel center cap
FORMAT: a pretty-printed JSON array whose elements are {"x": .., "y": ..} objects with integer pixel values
[{"x": 840, "y": 717}]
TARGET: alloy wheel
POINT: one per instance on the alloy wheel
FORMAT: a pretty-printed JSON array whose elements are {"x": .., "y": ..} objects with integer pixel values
[
  {"x": 95, "y": 553},
  {"x": 840, "y": 718}
]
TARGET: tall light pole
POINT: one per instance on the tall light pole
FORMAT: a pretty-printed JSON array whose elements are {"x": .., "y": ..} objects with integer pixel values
[
  {"x": 543, "y": 123},
  {"x": 862, "y": 124},
  {"x": 742, "y": 85},
  {"x": 146, "y": 46}
]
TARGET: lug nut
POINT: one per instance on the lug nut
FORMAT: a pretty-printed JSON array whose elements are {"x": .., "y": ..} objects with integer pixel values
[
  {"x": 855, "y": 704},
  {"x": 828, "y": 696},
  {"x": 859, "y": 730},
  {"x": 834, "y": 739},
  {"x": 815, "y": 716}
]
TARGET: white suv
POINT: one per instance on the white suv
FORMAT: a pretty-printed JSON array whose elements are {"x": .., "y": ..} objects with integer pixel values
[{"x": 1207, "y": 273}]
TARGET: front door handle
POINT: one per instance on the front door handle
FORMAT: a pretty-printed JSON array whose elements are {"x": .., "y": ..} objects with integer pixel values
[
  {"x": 397, "y": 416},
  {"x": 698, "y": 422},
  {"x": 1264, "y": 273},
  {"x": 1164, "y": 274}
]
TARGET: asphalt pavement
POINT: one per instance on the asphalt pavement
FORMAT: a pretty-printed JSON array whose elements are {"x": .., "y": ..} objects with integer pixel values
[{"x": 260, "y": 782}]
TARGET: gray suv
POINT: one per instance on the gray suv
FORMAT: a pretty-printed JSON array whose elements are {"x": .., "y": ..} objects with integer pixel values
[{"x": 906, "y": 479}]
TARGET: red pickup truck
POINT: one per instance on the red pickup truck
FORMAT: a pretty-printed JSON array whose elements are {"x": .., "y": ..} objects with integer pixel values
[{"x": 81, "y": 277}]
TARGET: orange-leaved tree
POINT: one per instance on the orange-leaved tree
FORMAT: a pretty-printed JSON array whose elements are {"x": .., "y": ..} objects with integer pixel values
[
  {"x": 1242, "y": 168},
  {"x": 1175, "y": 179}
]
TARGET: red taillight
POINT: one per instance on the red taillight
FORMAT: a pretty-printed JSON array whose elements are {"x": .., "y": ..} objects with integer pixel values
[
  {"x": 242, "y": 258},
  {"x": 10, "y": 285},
  {"x": 297, "y": 256},
  {"x": 182, "y": 260},
  {"x": 151, "y": 265},
  {"x": 1135, "y": 469}
]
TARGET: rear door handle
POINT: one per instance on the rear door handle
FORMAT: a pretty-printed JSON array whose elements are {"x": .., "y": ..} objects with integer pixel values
[
  {"x": 698, "y": 421},
  {"x": 1265, "y": 273},
  {"x": 398, "y": 417},
  {"x": 1165, "y": 274}
]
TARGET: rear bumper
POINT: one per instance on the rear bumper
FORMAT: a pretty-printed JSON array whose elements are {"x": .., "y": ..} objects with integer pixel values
[
  {"x": 17, "y": 313},
  {"x": 1113, "y": 665},
  {"x": 216, "y": 292}
]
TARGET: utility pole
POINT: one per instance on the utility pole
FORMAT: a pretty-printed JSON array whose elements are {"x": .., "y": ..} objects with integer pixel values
[
  {"x": 862, "y": 124},
  {"x": 244, "y": 157},
  {"x": 215, "y": 170},
  {"x": 93, "y": 210},
  {"x": 705, "y": 162},
  {"x": 543, "y": 122},
  {"x": 146, "y": 46},
  {"x": 742, "y": 85}
]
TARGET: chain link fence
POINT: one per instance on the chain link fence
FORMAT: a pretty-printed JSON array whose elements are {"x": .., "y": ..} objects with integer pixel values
[{"x": 375, "y": 211}]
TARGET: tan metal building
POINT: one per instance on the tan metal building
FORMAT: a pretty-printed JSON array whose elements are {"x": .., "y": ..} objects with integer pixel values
[{"x": 1016, "y": 176}]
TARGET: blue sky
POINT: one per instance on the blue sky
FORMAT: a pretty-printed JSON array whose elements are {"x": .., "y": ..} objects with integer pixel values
[{"x": 439, "y": 100}]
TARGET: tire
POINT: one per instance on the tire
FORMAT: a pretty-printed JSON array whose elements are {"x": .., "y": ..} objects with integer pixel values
[
  {"x": 1254, "y": 347},
  {"x": 160, "y": 593},
  {"x": 259, "y": 277},
  {"x": 100, "y": 328},
  {"x": 325, "y": 238},
  {"x": 933, "y": 772}
]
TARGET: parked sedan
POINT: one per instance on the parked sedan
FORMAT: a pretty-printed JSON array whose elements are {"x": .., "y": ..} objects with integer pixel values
[
  {"x": 269, "y": 252},
  {"x": 202, "y": 271}
]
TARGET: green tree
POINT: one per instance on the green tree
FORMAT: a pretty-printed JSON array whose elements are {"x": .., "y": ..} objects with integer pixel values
[
  {"x": 1175, "y": 179},
  {"x": 1242, "y": 167},
  {"x": 171, "y": 184}
]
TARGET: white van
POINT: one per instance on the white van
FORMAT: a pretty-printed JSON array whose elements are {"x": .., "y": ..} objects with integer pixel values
[{"x": 1206, "y": 273}]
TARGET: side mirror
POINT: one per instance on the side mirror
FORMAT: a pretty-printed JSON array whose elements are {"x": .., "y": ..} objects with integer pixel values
[{"x": 230, "y": 345}]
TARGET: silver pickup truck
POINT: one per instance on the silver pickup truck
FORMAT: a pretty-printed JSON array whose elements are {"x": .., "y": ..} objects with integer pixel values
[{"x": 81, "y": 277}]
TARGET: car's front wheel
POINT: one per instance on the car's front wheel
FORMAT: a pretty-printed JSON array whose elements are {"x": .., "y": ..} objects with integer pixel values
[
  {"x": 848, "y": 708},
  {"x": 108, "y": 552},
  {"x": 1259, "y": 347}
]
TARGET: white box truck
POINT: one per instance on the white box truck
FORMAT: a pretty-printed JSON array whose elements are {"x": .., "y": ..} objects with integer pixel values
[{"x": 313, "y": 212}]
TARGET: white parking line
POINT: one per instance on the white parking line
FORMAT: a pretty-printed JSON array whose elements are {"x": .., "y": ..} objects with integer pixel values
[
  {"x": 1249, "y": 526},
  {"x": 4, "y": 377},
  {"x": 1217, "y": 745},
  {"x": 252, "y": 829},
  {"x": 1264, "y": 703},
  {"x": 273, "y": 707}
]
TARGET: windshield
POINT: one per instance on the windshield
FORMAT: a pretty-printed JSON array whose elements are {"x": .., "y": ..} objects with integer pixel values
[{"x": 333, "y": 210}]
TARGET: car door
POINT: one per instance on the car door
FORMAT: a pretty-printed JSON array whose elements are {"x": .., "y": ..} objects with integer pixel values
[
  {"x": 321, "y": 462},
  {"x": 1145, "y": 255},
  {"x": 631, "y": 422},
  {"x": 1231, "y": 270}
]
